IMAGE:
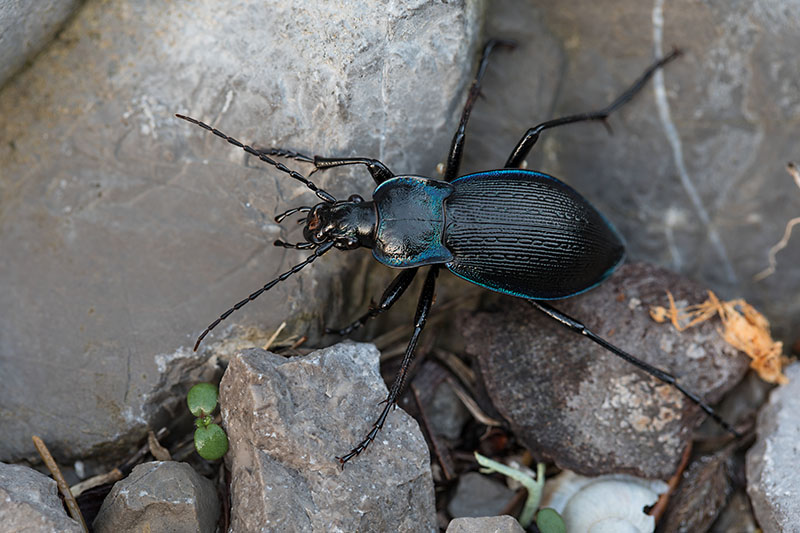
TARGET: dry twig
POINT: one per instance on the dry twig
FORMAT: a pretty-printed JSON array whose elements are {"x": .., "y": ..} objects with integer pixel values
[
  {"x": 72, "y": 505},
  {"x": 787, "y": 233}
]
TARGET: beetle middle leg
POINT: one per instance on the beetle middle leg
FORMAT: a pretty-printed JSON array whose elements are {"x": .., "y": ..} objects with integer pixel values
[
  {"x": 392, "y": 293},
  {"x": 457, "y": 145},
  {"x": 423, "y": 308},
  {"x": 525, "y": 144}
]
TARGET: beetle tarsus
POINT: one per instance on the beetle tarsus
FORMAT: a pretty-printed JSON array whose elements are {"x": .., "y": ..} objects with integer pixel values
[
  {"x": 423, "y": 308},
  {"x": 288, "y": 154},
  {"x": 527, "y": 141}
]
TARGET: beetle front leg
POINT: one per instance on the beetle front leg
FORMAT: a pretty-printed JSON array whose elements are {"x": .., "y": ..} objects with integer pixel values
[
  {"x": 288, "y": 154},
  {"x": 525, "y": 144},
  {"x": 392, "y": 293},
  {"x": 423, "y": 308},
  {"x": 378, "y": 170}
]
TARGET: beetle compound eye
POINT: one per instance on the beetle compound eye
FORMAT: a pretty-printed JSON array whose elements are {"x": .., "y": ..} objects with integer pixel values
[{"x": 355, "y": 199}]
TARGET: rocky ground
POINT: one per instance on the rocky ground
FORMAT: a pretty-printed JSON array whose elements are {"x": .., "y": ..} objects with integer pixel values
[{"x": 124, "y": 231}]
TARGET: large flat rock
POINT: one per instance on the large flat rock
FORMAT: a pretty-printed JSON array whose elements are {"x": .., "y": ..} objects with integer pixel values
[{"x": 124, "y": 231}]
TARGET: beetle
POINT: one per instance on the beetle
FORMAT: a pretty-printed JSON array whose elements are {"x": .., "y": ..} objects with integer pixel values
[{"x": 514, "y": 231}]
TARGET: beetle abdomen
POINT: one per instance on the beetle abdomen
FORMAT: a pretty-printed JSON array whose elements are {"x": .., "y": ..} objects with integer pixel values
[{"x": 528, "y": 234}]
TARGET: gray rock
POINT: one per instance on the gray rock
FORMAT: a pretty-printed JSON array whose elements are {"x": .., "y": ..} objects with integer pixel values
[
  {"x": 478, "y": 495},
  {"x": 700, "y": 496},
  {"x": 485, "y": 524},
  {"x": 25, "y": 28},
  {"x": 447, "y": 413},
  {"x": 287, "y": 419},
  {"x": 125, "y": 231},
  {"x": 160, "y": 496},
  {"x": 701, "y": 189},
  {"x": 29, "y": 502},
  {"x": 572, "y": 402},
  {"x": 773, "y": 481},
  {"x": 736, "y": 516}
]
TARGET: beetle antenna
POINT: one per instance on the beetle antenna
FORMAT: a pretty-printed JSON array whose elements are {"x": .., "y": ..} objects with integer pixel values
[
  {"x": 295, "y": 269},
  {"x": 290, "y": 212},
  {"x": 323, "y": 195}
]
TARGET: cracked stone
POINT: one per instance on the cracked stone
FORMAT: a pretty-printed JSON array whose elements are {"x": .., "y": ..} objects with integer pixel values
[
  {"x": 26, "y": 28},
  {"x": 287, "y": 419},
  {"x": 125, "y": 230},
  {"x": 773, "y": 482},
  {"x": 160, "y": 496},
  {"x": 29, "y": 502}
]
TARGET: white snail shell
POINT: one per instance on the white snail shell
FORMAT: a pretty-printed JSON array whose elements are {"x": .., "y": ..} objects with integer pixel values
[{"x": 605, "y": 504}]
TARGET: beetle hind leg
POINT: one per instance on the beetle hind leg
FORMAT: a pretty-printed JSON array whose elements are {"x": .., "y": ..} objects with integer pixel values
[
  {"x": 667, "y": 378},
  {"x": 423, "y": 308},
  {"x": 525, "y": 144}
]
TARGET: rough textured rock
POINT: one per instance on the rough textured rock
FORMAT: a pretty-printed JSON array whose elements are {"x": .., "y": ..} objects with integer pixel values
[
  {"x": 25, "y": 28},
  {"x": 125, "y": 230},
  {"x": 160, "y": 496},
  {"x": 700, "y": 496},
  {"x": 447, "y": 413},
  {"x": 694, "y": 173},
  {"x": 29, "y": 502},
  {"x": 287, "y": 419},
  {"x": 773, "y": 481},
  {"x": 572, "y": 402},
  {"x": 485, "y": 524},
  {"x": 479, "y": 495}
]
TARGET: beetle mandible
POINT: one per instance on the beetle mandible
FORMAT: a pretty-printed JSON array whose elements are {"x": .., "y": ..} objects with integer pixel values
[{"x": 514, "y": 231}]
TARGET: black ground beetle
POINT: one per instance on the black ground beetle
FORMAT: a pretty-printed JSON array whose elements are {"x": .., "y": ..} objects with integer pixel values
[{"x": 514, "y": 231}]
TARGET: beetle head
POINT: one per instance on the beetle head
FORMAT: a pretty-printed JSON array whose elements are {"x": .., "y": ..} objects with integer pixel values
[{"x": 348, "y": 224}]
